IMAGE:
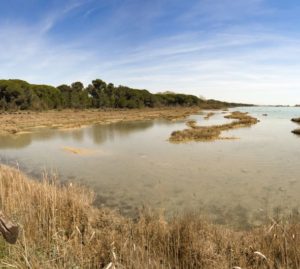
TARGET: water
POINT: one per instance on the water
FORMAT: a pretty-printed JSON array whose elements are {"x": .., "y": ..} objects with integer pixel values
[{"x": 240, "y": 182}]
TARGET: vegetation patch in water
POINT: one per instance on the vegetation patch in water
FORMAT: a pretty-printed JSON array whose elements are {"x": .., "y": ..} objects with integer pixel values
[
  {"x": 296, "y": 131},
  {"x": 209, "y": 115},
  {"x": 210, "y": 133},
  {"x": 296, "y": 120}
]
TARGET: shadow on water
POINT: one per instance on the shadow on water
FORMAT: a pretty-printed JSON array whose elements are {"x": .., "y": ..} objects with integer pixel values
[{"x": 102, "y": 133}]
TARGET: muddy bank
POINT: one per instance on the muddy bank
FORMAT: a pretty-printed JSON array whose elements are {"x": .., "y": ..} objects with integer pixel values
[{"x": 19, "y": 122}]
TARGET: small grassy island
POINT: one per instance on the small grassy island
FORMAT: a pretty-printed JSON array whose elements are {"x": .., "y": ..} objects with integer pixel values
[
  {"x": 296, "y": 131},
  {"x": 297, "y": 120},
  {"x": 210, "y": 133}
]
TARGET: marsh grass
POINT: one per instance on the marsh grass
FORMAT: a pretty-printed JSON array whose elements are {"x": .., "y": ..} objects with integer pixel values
[
  {"x": 60, "y": 228},
  {"x": 210, "y": 133}
]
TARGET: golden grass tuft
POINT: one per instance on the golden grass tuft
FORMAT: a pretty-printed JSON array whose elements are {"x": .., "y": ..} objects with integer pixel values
[{"x": 61, "y": 229}]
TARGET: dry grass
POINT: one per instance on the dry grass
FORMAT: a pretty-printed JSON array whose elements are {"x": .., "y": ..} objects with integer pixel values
[
  {"x": 14, "y": 123},
  {"x": 61, "y": 229},
  {"x": 210, "y": 133}
]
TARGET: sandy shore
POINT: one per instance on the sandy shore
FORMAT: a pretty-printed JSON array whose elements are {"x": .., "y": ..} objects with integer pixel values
[{"x": 18, "y": 122}]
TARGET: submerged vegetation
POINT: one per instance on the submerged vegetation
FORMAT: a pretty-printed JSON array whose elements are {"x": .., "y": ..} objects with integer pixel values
[
  {"x": 21, "y": 95},
  {"x": 209, "y": 133},
  {"x": 60, "y": 228}
]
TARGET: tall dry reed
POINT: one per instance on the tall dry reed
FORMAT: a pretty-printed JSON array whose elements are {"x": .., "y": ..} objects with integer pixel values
[{"x": 61, "y": 229}]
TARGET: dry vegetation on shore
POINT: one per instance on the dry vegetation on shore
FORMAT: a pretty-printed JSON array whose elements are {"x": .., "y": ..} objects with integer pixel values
[
  {"x": 13, "y": 123},
  {"x": 210, "y": 133},
  {"x": 61, "y": 229}
]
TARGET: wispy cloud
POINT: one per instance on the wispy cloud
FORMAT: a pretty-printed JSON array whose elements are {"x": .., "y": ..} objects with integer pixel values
[{"x": 220, "y": 49}]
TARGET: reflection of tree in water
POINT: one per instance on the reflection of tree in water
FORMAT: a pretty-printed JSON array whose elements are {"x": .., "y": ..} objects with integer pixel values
[
  {"x": 15, "y": 142},
  {"x": 102, "y": 133},
  {"x": 99, "y": 134},
  {"x": 24, "y": 140}
]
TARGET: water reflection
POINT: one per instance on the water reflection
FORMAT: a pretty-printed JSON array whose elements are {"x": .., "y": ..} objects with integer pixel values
[
  {"x": 15, "y": 142},
  {"x": 98, "y": 133}
]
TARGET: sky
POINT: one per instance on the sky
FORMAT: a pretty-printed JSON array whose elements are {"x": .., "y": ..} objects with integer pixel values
[{"x": 232, "y": 50}]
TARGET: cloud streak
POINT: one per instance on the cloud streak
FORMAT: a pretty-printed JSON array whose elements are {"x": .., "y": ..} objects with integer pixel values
[{"x": 202, "y": 48}]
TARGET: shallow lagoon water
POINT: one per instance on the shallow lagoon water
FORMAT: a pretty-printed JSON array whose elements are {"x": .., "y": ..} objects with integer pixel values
[{"x": 241, "y": 182}]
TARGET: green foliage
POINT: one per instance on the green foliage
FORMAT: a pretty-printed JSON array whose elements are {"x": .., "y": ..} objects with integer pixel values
[{"x": 20, "y": 95}]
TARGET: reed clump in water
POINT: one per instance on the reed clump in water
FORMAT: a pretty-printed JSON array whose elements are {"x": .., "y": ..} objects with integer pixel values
[
  {"x": 210, "y": 133},
  {"x": 61, "y": 229},
  {"x": 296, "y": 120},
  {"x": 209, "y": 115},
  {"x": 296, "y": 131}
]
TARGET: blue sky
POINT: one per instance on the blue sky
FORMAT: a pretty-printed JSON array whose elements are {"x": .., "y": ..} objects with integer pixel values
[{"x": 234, "y": 50}]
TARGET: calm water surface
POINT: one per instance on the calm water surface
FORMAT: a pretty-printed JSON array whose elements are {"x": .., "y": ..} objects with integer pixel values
[{"x": 241, "y": 182}]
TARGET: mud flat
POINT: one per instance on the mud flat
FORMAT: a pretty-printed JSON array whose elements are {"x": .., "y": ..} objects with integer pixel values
[{"x": 15, "y": 123}]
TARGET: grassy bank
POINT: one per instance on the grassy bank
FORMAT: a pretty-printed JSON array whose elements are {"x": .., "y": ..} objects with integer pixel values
[
  {"x": 13, "y": 123},
  {"x": 61, "y": 229}
]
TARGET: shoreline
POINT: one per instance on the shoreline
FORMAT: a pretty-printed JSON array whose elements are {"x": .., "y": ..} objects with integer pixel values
[
  {"x": 14, "y": 123},
  {"x": 63, "y": 218}
]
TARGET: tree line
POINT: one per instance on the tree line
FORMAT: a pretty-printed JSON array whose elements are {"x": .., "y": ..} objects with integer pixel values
[{"x": 21, "y": 95}]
